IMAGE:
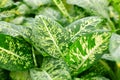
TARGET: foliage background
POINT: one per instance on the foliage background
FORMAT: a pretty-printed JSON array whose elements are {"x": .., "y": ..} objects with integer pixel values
[{"x": 27, "y": 52}]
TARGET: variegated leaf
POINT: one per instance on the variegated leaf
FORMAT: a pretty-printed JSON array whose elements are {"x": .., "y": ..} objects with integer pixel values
[
  {"x": 50, "y": 36},
  {"x": 86, "y": 50},
  {"x": 15, "y": 53},
  {"x": 52, "y": 69},
  {"x": 83, "y": 26},
  {"x": 15, "y": 30},
  {"x": 62, "y": 8}
]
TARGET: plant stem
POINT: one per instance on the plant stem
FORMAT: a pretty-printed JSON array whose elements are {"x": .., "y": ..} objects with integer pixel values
[
  {"x": 111, "y": 73},
  {"x": 34, "y": 58}
]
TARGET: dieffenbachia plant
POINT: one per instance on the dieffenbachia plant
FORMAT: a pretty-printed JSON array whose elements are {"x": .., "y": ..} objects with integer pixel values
[
  {"x": 94, "y": 7},
  {"x": 88, "y": 43},
  {"x": 50, "y": 36},
  {"x": 51, "y": 69},
  {"x": 53, "y": 41},
  {"x": 80, "y": 44},
  {"x": 15, "y": 52}
]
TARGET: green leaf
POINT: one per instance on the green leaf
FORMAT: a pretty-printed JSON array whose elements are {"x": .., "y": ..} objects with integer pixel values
[
  {"x": 88, "y": 45},
  {"x": 83, "y": 26},
  {"x": 36, "y": 3},
  {"x": 15, "y": 30},
  {"x": 86, "y": 50},
  {"x": 62, "y": 8},
  {"x": 5, "y": 3},
  {"x": 52, "y": 69},
  {"x": 20, "y": 75},
  {"x": 50, "y": 36},
  {"x": 23, "y": 9},
  {"x": 15, "y": 54},
  {"x": 114, "y": 47},
  {"x": 51, "y": 13},
  {"x": 93, "y": 6},
  {"x": 7, "y": 14}
]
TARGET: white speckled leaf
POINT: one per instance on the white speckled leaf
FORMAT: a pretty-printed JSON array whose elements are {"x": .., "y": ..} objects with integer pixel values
[
  {"x": 50, "y": 36},
  {"x": 15, "y": 30},
  {"x": 86, "y": 50},
  {"x": 83, "y": 26},
  {"x": 88, "y": 43},
  {"x": 62, "y": 8},
  {"x": 15, "y": 54},
  {"x": 52, "y": 69}
]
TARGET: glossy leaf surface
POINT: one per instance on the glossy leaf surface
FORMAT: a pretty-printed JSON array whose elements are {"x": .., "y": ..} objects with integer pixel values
[
  {"x": 83, "y": 26},
  {"x": 89, "y": 41},
  {"x": 15, "y": 30},
  {"x": 15, "y": 54},
  {"x": 52, "y": 69},
  {"x": 50, "y": 36}
]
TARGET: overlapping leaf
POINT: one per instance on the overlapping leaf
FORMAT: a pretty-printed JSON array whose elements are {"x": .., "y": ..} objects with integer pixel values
[
  {"x": 93, "y": 6},
  {"x": 36, "y": 3},
  {"x": 50, "y": 36},
  {"x": 15, "y": 54},
  {"x": 52, "y": 69},
  {"x": 62, "y": 8},
  {"x": 83, "y": 26},
  {"x": 51, "y": 13},
  {"x": 114, "y": 47},
  {"x": 15, "y": 30},
  {"x": 89, "y": 42}
]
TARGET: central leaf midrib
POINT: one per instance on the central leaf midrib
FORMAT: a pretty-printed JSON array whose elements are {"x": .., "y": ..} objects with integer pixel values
[
  {"x": 81, "y": 30},
  {"x": 9, "y": 52},
  {"x": 91, "y": 53},
  {"x": 51, "y": 36},
  {"x": 49, "y": 78}
]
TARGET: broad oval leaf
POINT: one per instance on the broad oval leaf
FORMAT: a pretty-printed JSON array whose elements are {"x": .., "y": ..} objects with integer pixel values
[
  {"x": 86, "y": 50},
  {"x": 83, "y": 26},
  {"x": 15, "y": 53},
  {"x": 114, "y": 47},
  {"x": 93, "y": 6},
  {"x": 52, "y": 69},
  {"x": 15, "y": 30},
  {"x": 37, "y": 3},
  {"x": 88, "y": 41},
  {"x": 50, "y": 36}
]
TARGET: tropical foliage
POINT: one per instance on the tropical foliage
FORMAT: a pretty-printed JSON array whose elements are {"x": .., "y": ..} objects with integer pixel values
[{"x": 59, "y": 40}]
